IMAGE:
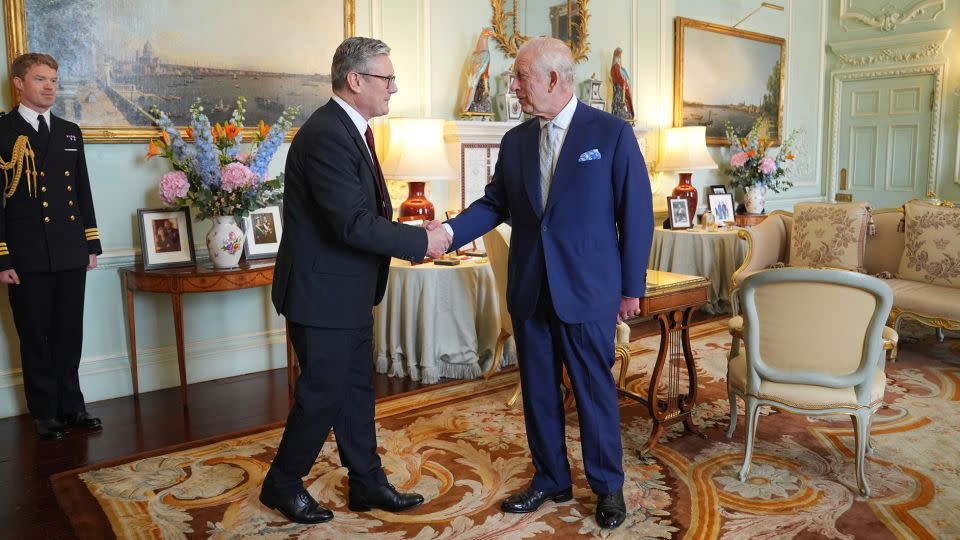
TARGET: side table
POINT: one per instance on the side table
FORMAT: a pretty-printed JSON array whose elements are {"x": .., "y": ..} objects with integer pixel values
[
  {"x": 190, "y": 279},
  {"x": 749, "y": 220}
]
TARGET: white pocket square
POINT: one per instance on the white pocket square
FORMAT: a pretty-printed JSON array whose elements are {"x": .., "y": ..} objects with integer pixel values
[
  {"x": 70, "y": 149},
  {"x": 589, "y": 155}
]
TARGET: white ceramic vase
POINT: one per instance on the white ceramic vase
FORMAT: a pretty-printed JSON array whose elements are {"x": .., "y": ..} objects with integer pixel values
[
  {"x": 225, "y": 242},
  {"x": 754, "y": 198}
]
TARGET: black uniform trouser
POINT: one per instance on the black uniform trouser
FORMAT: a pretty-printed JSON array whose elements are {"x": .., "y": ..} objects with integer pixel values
[
  {"x": 335, "y": 389},
  {"x": 48, "y": 313}
]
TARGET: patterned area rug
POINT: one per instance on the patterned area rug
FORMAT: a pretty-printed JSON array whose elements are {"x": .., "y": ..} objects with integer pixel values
[{"x": 466, "y": 456}]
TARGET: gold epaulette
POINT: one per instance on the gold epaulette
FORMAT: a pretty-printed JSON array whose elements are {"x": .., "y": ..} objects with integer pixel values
[{"x": 22, "y": 160}]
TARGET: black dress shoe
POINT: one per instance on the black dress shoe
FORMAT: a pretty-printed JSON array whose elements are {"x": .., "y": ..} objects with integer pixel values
[
  {"x": 530, "y": 499},
  {"x": 81, "y": 420},
  {"x": 48, "y": 428},
  {"x": 611, "y": 510},
  {"x": 299, "y": 507},
  {"x": 385, "y": 497}
]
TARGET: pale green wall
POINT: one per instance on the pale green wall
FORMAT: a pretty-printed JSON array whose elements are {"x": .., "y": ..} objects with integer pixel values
[
  {"x": 948, "y": 183},
  {"x": 234, "y": 333}
]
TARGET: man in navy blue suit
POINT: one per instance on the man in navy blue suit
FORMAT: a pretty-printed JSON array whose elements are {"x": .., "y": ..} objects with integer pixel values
[{"x": 575, "y": 188}]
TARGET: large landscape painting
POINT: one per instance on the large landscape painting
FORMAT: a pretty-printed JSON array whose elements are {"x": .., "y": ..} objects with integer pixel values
[
  {"x": 120, "y": 58},
  {"x": 722, "y": 75}
]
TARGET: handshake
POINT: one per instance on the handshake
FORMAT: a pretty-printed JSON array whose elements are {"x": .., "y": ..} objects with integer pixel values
[{"x": 438, "y": 241}]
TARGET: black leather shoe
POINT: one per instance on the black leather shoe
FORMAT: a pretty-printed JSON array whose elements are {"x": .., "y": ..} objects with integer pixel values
[
  {"x": 384, "y": 497},
  {"x": 48, "y": 428},
  {"x": 81, "y": 420},
  {"x": 611, "y": 510},
  {"x": 530, "y": 499},
  {"x": 299, "y": 507}
]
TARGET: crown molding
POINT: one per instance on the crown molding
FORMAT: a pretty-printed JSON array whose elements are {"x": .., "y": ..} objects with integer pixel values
[
  {"x": 902, "y": 49},
  {"x": 890, "y": 15}
]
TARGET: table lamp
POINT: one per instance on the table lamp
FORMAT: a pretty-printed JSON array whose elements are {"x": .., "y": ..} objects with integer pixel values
[
  {"x": 417, "y": 155},
  {"x": 685, "y": 151}
]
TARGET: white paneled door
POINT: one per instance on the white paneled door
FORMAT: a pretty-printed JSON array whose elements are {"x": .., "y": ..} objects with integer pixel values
[{"x": 884, "y": 138}]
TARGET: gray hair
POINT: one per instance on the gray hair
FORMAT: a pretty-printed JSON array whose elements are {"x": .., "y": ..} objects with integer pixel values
[
  {"x": 353, "y": 55},
  {"x": 551, "y": 54}
]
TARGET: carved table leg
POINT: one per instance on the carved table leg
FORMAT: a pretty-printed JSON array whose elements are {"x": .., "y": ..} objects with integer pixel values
[
  {"x": 178, "y": 330},
  {"x": 132, "y": 342}
]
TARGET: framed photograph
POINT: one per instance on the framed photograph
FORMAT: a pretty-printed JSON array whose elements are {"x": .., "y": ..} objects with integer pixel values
[
  {"x": 166, "y": 237},
  {"x": 131, "y": 55},
  {"x": 262, "y": 231},
  {"x": 718, "y": 189},
  {"x": 722, "y": 207},
  {"x": 722, "y": 74},
  {"x": 679, "y": 213}
]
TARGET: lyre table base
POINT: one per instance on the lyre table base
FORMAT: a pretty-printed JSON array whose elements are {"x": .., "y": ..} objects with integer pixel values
[{"x": 673, "y": 306}]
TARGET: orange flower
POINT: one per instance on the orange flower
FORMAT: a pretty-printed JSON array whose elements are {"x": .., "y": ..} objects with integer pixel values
[
  {"x": 263, "y": 129},
  {"x": 188, "y": 133},
  {"x": 166, "y": 138},
  {"x": 232, "y": 131},
  {"x": 751, "y": 153},
  {"x": 216, "y": 131},
  {"x": 790, "y": 156},
  {"x": 154, "y": 150}
]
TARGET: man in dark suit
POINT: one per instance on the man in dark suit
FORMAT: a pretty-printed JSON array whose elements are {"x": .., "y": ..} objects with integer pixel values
[
  {"x": 48, "y": 241},
  {"x": 331, "y": 270},
  {"x": 574, "y": 185}
]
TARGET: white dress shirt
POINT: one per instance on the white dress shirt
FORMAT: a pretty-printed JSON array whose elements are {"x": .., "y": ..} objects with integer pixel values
[
  {"x": 33, "y": 117},
  {"x": 358, "y": 120}
]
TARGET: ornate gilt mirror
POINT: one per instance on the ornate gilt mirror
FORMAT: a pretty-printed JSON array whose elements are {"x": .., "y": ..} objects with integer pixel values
[{"x": 566, "y": 20}]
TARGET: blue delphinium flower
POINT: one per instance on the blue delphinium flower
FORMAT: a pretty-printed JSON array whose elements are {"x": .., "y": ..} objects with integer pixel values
[
  {"x": 208, "y": 156},
  {"x": 264, "y": 153}
]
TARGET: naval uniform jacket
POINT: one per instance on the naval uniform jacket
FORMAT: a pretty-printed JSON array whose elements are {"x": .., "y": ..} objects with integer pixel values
[{"x": 54, "y": 227}]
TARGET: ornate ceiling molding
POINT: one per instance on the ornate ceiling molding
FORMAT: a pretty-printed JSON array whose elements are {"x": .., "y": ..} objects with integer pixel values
[
  {"x": 903, "y": 49},
  {"x": 853, "y": 17}
]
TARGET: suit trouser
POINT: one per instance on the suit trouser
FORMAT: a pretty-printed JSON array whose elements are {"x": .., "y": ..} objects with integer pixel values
[
  {"x": 334, "y": 390},
  {"x": 48, "y": 313},
  {"x": 544, "y": 345}
]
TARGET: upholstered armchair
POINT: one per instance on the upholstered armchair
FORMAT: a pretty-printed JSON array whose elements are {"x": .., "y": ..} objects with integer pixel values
[
  {"x": 497, "y": 244},
  {"x": 813, "y": 345}
]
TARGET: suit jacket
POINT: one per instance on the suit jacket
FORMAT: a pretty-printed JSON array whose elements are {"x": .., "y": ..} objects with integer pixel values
[
  {"x": 592, "y": 241},
  {"x": 335, "y": 252},
  {"x": 53, "y": 228}
]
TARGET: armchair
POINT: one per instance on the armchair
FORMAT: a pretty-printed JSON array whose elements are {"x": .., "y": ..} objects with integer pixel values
[{"x": 839, "y": 372}]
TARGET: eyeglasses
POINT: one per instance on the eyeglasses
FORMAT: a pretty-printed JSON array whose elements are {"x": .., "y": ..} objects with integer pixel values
[{"x": 391, "y": 79}]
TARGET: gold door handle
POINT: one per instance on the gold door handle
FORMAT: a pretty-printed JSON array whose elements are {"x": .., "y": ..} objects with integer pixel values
[{"x": 843, "y": 179}]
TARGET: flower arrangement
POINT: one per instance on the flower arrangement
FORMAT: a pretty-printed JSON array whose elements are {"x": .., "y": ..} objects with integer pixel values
[
  {"x": 752, "y": 162},
  {"x": 211, "y": 174}
]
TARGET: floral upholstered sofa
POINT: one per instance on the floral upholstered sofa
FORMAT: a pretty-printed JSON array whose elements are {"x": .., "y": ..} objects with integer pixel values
[{"x": 916, "y": 248}]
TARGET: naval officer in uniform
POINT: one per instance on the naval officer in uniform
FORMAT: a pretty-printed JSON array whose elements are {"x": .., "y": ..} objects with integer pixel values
[{"x": 48, "y": 242}]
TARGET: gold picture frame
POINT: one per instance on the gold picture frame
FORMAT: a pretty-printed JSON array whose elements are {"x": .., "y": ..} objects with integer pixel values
[
  {"x": 15, "y": 20},
  {"x": 713, "y": 53},
  {"x": 508, "y": 37}
]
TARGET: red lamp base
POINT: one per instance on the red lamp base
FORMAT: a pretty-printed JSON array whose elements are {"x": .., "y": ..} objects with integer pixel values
[
  {"x": 417, "y": 203},
  {"x": 686, "y": 190}
]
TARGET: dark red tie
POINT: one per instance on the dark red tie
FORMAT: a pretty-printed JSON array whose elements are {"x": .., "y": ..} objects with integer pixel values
[{"x": 381, "y": 186}]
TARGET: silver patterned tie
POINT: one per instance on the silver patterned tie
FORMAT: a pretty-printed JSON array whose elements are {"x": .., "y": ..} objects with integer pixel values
[{"x": 547, "y": 133}]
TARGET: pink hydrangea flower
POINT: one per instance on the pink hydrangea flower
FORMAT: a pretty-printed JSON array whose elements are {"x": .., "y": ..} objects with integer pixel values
[
  {"x": 768, "y": 166},
  {"x": 244, "y": 158},
  {"x": 173, "y": 185},
  {"x": 236, "y": 176},
  {"x": 739, "y": 159}
]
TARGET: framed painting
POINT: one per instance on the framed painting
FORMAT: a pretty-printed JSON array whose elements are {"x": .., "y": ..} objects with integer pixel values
[
  {"x": 129, "y": 56},
  {"x": 722, "y": 74},
  {"x": 166, "y": 237},
  {"x": 263, "y": 228}
]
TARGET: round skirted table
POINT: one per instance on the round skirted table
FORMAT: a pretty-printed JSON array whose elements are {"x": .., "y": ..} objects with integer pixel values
[
  {"x": 711, "y": 254},
  {"x": 438, "y": 321}
]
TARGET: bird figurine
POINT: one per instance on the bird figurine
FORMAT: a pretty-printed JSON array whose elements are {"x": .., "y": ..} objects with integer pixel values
[
  {"x": 476, "y": 97},
  {"x": 622, "y": 104}
]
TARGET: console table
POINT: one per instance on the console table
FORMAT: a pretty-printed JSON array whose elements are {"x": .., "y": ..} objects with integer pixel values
[{"x": 190, "y": 279}]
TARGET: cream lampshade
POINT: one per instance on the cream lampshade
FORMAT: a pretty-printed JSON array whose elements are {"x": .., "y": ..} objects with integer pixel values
[
  {"x": 685, "y": 151},
  {"x": 417, "y": 155}
]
